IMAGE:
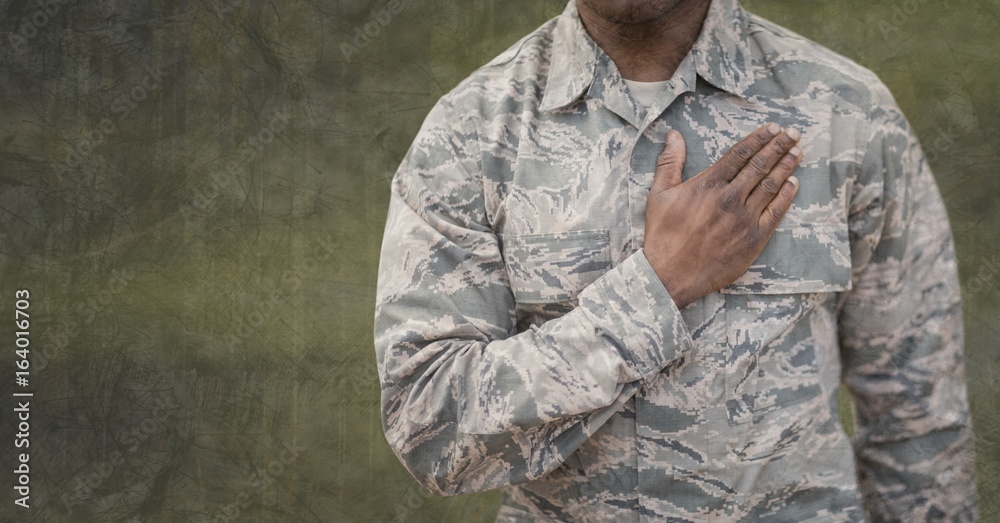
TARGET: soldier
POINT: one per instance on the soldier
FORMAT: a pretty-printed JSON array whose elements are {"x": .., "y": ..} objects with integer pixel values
[{"x": 603, "y": 290}]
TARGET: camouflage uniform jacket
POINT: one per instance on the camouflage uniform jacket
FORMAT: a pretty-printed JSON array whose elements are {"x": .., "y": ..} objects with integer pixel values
[{"x": 524, "y": 341}]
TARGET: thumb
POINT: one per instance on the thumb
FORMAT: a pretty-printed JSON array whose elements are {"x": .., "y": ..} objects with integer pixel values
[{"x": 669, "y": 163}]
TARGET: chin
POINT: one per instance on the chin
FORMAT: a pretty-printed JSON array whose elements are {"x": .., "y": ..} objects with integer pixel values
[{"x": 633, "y": 11}]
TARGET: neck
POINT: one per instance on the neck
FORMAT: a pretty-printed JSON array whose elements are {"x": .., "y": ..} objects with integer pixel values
[{"x": 646, "y": 42}]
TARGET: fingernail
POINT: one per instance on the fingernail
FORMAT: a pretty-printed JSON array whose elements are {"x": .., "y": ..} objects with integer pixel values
[
  {"x": 795, "y": 151},
  {"x": 794, "y": 134},
  {"x": 670, "y": 137},
  {"x": 773, "y": 128},
  {"x": 793, "y": 180}
]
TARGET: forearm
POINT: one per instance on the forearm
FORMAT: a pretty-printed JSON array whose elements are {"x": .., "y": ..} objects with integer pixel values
[
  {"x": 467, "y": 413},
  {"x": 913, "y": 439}
]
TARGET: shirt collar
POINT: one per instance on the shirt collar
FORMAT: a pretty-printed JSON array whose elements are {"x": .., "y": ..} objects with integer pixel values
[{"x": 721, "y": 54}]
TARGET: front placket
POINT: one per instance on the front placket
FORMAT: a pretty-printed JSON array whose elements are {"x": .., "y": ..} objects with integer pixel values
[{"x": 681, "y": 446}]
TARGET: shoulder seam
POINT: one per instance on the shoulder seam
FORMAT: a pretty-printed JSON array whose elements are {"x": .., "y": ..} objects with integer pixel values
[{"x": 515, "y": 54}]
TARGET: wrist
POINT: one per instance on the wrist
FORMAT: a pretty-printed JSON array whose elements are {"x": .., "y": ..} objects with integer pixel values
[
  {"x": 676, "y": 285},
  {"x": 681, "y": 297}
]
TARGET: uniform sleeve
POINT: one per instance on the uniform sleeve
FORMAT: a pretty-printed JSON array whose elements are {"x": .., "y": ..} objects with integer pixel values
[
  {"x": 901, "y": 336},
  {"x": 468, "y": 403}
]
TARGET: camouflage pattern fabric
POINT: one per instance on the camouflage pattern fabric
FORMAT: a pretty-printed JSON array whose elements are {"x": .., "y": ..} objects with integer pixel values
[{"x": 525, "y": 343}]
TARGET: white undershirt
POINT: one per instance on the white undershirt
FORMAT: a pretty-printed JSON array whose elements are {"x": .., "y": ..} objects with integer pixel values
[{"x": 645, "y": 92}]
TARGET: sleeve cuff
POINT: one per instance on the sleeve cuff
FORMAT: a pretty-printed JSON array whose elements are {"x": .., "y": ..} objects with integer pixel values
[{"x": 643, "y": 316}]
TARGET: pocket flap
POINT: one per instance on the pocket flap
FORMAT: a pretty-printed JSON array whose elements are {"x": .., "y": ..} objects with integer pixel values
[
  {"x": 803, "y": 258},
  {"x": 545, "y": 268}
]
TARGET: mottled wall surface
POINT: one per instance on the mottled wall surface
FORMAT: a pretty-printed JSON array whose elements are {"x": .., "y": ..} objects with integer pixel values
[{"x": 193, "y": 193}]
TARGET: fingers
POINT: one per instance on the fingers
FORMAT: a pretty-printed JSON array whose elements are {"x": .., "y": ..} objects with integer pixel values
[
  {"x": 776, "y": 209},
  {"x": 670, "y": 163},
  {"x": 770, "y": 185},
  {"x": 738, "y": 155},
  {"x": 760, "y": 165}
]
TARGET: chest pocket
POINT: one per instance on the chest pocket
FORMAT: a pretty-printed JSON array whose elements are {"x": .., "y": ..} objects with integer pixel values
[
  {"x": 781, "y": 321},
  {"x": 548, "y": 271}
]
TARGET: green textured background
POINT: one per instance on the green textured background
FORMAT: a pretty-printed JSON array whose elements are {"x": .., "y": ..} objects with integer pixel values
[{"x": 194, "y": 194}]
